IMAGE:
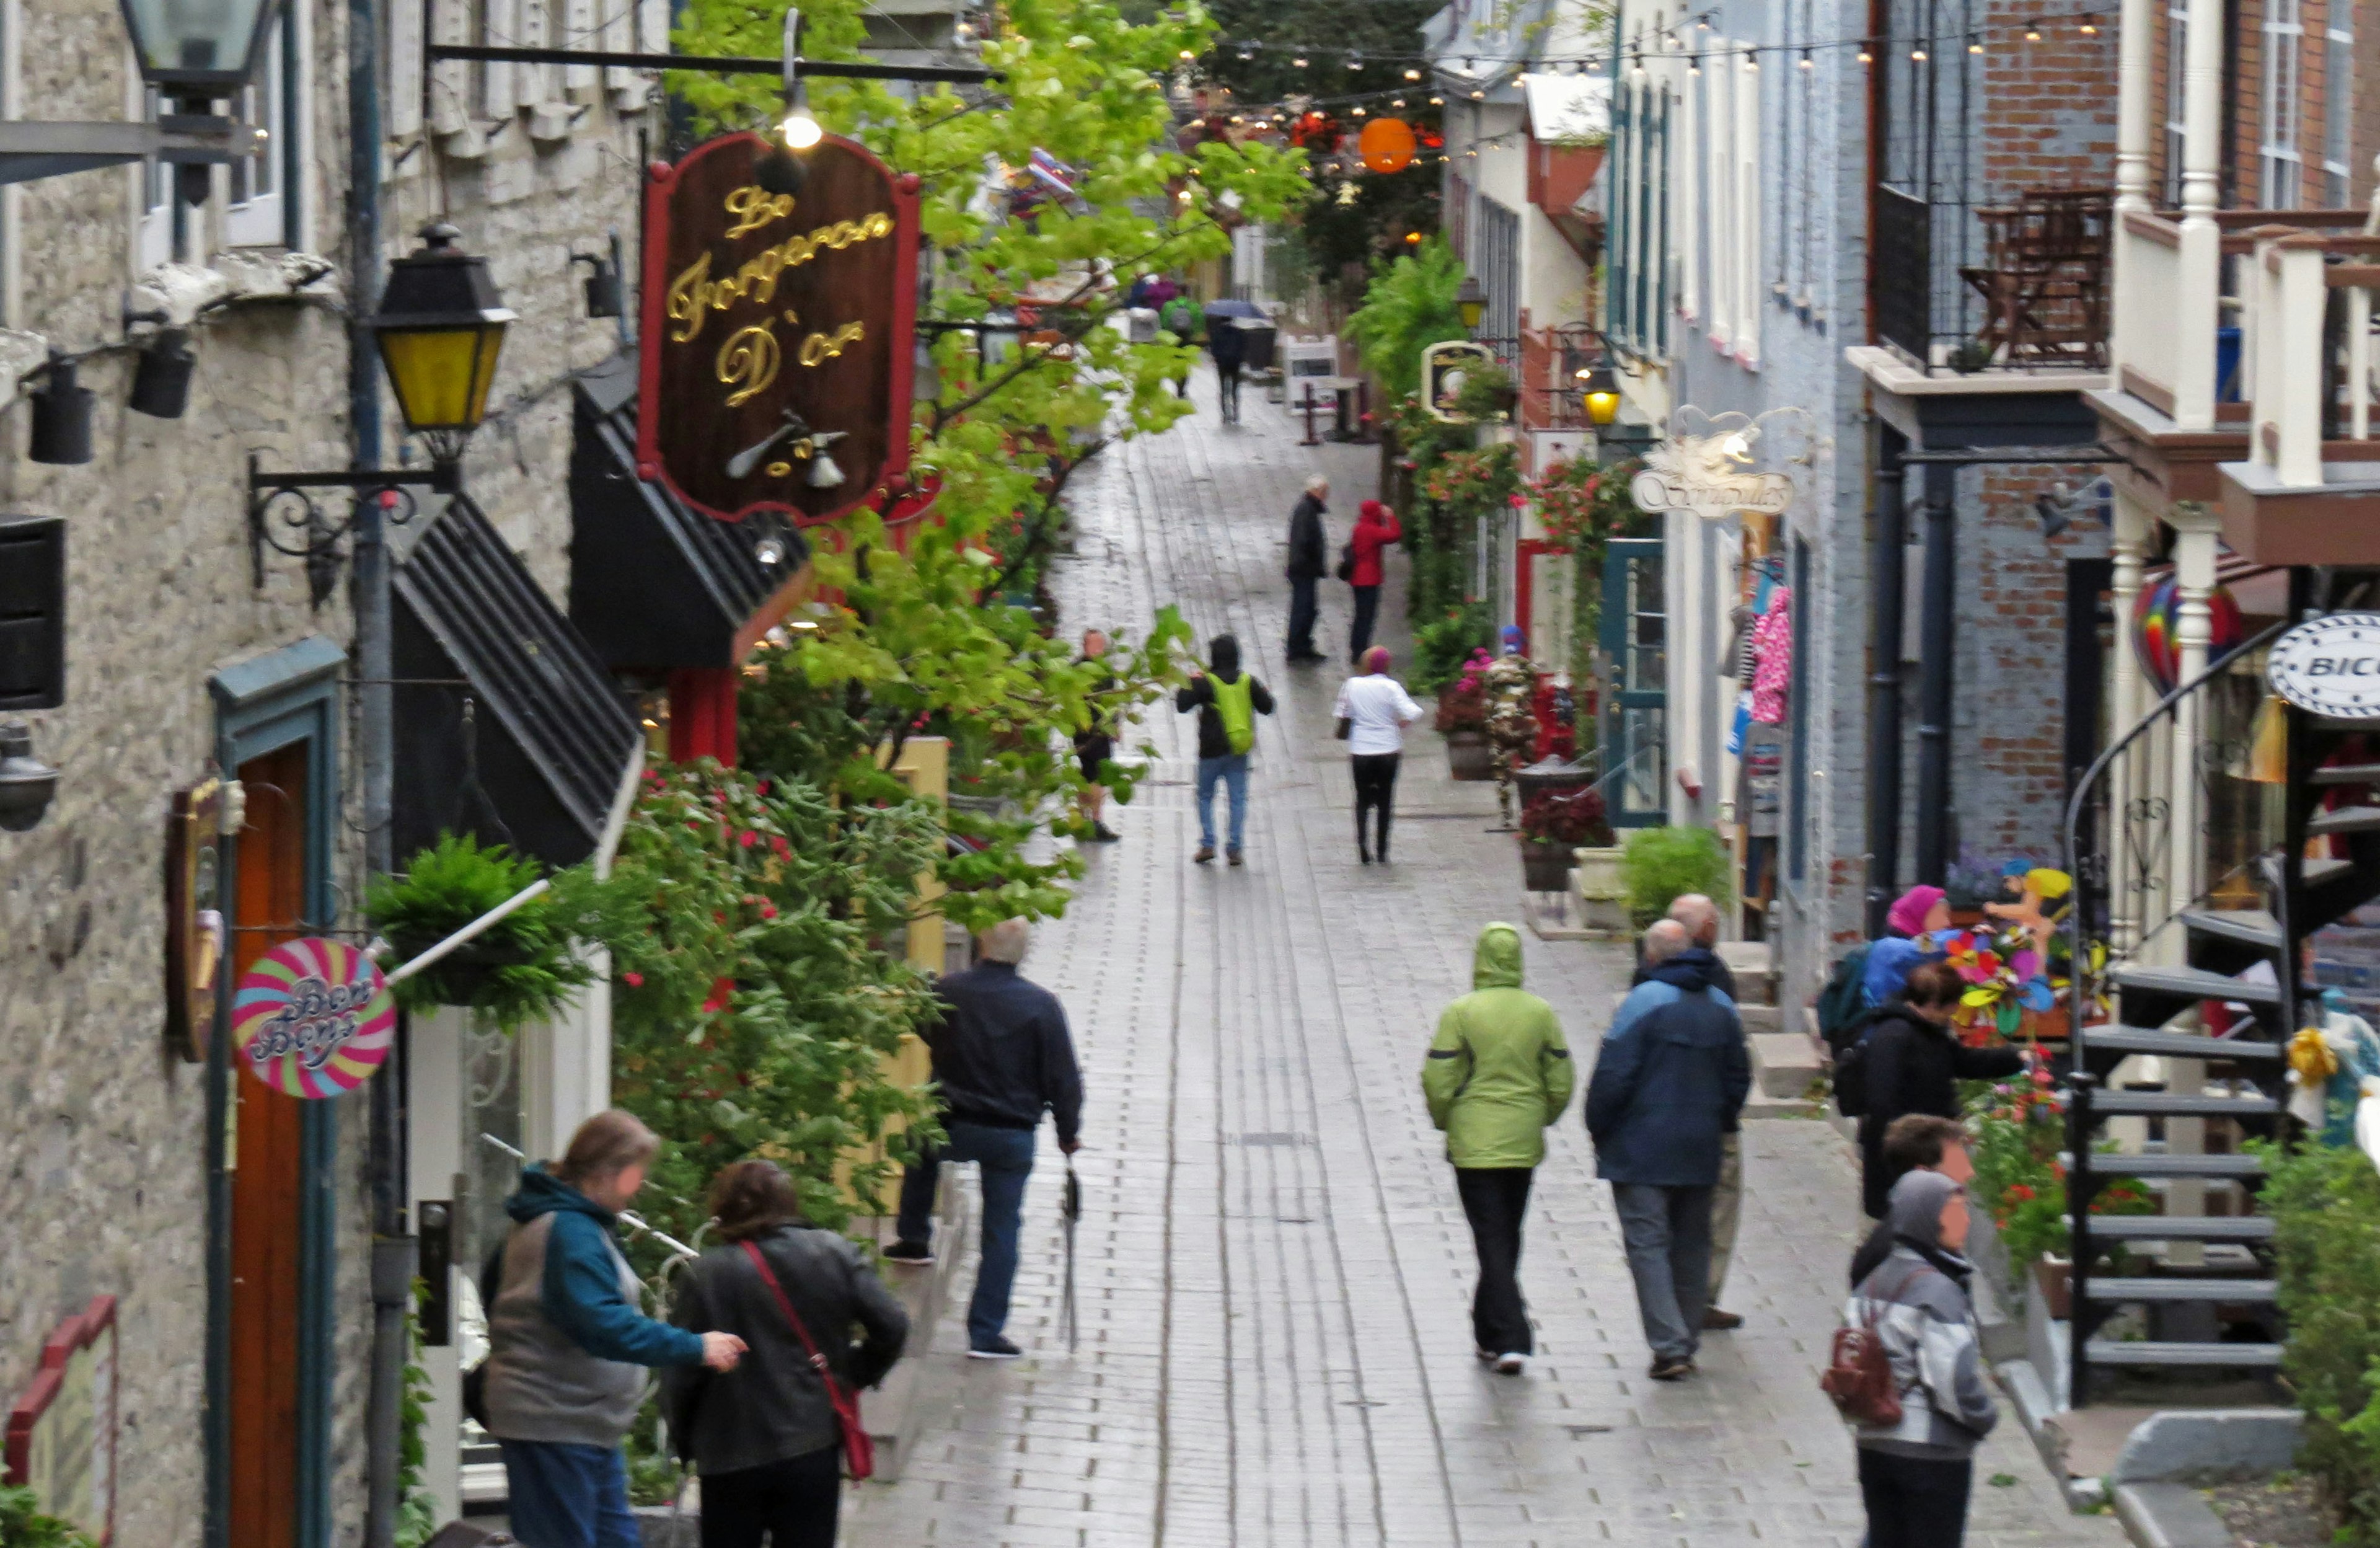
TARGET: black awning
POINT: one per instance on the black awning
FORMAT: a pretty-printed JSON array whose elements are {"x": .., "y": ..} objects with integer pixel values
[
  {"x": 653, "y": 583},
  {"x": 507, "y": 725}
]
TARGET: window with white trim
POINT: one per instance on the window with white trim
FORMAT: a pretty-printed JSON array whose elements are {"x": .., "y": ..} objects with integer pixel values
[
  {"x": 154, "y": 199},
  {"x": 2284, "y": 161},
  {"x": 2338, "y": 104},
  {"x": 1719, "y": 182},
  {"x": 1688, "y": 161},
  {"x": 1746, "y": 257},
  {"x": 257, "y": 210}
]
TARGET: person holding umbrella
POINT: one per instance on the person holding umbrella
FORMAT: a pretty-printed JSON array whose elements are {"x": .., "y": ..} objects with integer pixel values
[{"x": 1227, "y": 343}]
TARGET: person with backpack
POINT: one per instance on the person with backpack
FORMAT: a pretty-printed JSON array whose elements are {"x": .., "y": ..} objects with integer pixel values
[
  {"x": 1669, "y": 1084},
  {"x": 1376, "y": 528},
  {"x": 1910, "y": 1060},
  {"x": 767, "y": 1438},
  {"x": 1919, "y": 1412},
  {"x": 1308, "y": 548},
  {"x": 1910, "y": 928},
  {"x": 1181, "y": 317},
  {"x": 1228, "y": 701},
  {"x": 1497, "y": 1074}
]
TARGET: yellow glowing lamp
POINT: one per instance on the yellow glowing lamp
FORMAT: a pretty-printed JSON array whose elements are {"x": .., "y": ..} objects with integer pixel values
[
  {"x": 1599, "y": 389},
  {"x": 1471, "y": 302},
  {"x": 441, "y": 327}
]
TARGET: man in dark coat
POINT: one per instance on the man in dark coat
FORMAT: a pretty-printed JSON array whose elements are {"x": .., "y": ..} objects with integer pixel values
[
  {"x": 1914, "y": 1064},
  {"x": 1308, "y": 562},
  {"x": 1229, "y": 346},
  {"x": 1003, "y": 1056},
  {"x": 1669, "y": 1085},
  {"x": 1700, "y": 916}
]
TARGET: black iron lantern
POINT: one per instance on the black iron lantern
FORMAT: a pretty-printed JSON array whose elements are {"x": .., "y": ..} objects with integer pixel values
[
  {"x": 198, "y": 50},
  {"x": 1471, "y": 302},
  {"x": 603, "y": 284},
  {"x": 61, "y": 415},
  {"x": 161, "y": 383},
  {"x": 26, "y": 782},
  {"x": 441, "y": 327},
  {"x": 1598, "y": 389}
]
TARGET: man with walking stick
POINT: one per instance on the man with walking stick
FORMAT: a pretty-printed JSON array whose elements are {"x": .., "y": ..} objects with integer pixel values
[{"x": 1001, "y": 1056}]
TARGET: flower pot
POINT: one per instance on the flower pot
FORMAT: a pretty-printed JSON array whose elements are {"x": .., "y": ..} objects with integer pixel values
[
  {"x": 1545, "y": 865},
  {"x": 2053, "y": 1280},
  {"x": 1467, "y": 756}
]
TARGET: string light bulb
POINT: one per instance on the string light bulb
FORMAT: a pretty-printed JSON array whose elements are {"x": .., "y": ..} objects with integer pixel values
[
  {"x": 1299, "y": 61},
  {"x": 1693, "y": 64},
  {"x": 1247, "y": 51},
  {"x": 1866, "y": 57},
  {"x": 1917, "y": 54},
  {"x": 1636, "y": 66},
  {"x": 2032, "y": 32},
  {"x": 1412, "y": 75},
  {"x": 1751, "y": 60},
  {"x": 1359, "y": 110},
  {"x": 1478, "y": 94},
  {"x": 2090, "y": 29},
  {"x": 1186, "y": 56},
  {"x": 1398, "y": 103},
  {"x": 1438, "y": 101},
  {"x": 1354, "y": 61},
  {"x": 1974, "y": 43}
]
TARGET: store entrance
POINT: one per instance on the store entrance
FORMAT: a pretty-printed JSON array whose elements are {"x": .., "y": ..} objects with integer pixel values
[{"x": 264, "y": 1152}]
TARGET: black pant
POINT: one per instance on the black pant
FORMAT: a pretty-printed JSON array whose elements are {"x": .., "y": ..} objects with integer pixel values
[
  {"x": 794, "y": 1501},
  {"x": 1375, "y": 789},
  {"x": 1911, "y": 1502},
  {"x": 1227, "y": 382},
  {"x": 1302, "y": 610},
  {"x": 1496, "y": 1200},
  {"x": 1368, "y": 613}
]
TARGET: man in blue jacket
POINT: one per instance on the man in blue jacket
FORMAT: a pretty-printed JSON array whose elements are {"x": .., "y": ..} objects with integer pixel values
[{"x": 1667, "y": 1086}]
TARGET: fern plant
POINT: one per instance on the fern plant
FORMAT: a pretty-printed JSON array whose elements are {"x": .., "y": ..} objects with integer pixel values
[
  {"x": 519, "y": 969},
  {"x": 1409, "y": 306},
  {"x": 23, "y": 1524}
]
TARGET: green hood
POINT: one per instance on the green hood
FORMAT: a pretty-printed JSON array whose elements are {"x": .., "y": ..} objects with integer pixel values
[{"x": 1496, "y": 960}]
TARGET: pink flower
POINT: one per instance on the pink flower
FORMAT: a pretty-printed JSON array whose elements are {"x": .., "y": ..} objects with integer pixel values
[
  {"x": 633, "y": 981},
  {"x": 748, "y": 838},
  {"x": 779, "y": 844},
  {"x": 767, "y": 911}
]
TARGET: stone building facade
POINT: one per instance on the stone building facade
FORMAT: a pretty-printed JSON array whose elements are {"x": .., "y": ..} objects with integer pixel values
[{"x": 105, "y": 1142}]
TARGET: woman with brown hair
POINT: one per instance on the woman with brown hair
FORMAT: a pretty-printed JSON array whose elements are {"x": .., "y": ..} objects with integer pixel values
[{"x": 764, "y": 1436}]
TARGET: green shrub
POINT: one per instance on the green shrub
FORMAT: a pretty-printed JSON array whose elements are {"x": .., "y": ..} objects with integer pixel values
[
  {"x": 2325, "y": 1208},
  {"x": 22, "y": 1524},
  {"x": 1664, "y": 864},
  {"x": 1441, "y": 648},
  {"x": 1409, "y": 306}
]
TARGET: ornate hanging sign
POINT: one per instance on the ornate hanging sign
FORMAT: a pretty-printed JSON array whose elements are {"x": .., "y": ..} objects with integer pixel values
[
  {"x": 313, "y": 1018},
  {"x": 778, "y": 330},
  {"x": 2330, "y": 666},
  {"x": 1445, "y": 367},
  {"x": 1708, "y": 475}
]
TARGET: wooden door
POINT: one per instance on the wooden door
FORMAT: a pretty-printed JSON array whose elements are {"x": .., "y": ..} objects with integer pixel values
[{"x": 266, "y": 1154}]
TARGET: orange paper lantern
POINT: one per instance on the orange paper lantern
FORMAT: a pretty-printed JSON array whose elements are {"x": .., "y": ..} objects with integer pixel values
[{"x": 1386, "y": 144}]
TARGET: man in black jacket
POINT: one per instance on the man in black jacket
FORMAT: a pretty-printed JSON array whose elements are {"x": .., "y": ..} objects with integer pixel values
[
  {"x": 1308, "y": 562},
  {"x": 1001, "y": 1055},
  {"x": 1914, "y": 1064}
]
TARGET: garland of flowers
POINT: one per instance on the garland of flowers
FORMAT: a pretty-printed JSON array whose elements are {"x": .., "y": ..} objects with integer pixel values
[
  {"x": 1477, "y": 480},
  {"x": 1582, "y": 505}
]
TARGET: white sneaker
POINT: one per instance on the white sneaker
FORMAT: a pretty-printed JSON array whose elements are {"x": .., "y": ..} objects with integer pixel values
[{"x": 1510, "y": 1365}]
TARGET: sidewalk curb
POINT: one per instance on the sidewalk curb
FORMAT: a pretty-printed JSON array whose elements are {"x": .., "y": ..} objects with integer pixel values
[{"x": 2169, "y": 1516}]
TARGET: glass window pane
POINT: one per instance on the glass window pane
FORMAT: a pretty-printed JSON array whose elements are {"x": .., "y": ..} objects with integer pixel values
[{"x": 1640, "y": 741}]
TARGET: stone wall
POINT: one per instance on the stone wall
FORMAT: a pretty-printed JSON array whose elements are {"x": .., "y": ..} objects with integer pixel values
[{"x": 101, "y": 1129}]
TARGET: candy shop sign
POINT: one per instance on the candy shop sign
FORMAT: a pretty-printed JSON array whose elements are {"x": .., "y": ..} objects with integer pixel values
[
  {"x": 313, "y": 1018},
  {"x": 1709, "y": 476}
]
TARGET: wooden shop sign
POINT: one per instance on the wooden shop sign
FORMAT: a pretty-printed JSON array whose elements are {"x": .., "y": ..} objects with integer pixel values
[
  {"x": 778, "y": 329},
  {"x": 61, "y": 1438}
]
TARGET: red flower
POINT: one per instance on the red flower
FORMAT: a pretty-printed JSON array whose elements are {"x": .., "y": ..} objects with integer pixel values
[
  {"x": 779, "y": 844},
  {"x": 748, "y": 838},
  {"x": 767, "y": 911},
  {"x": 633, "y": 981}
]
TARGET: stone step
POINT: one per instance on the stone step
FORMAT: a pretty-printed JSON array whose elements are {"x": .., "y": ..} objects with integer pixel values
[
  {"x": 1783, "y": 1063},
  {"x": 2219, "y": 1291},
  {"x": 2176, "y": 1045},
  {"x": 1758, "y": 1020},
  {"x": 2114, "y": 1351},
  {"x": 2168, "y": 1105},
  {"x": 2244, "y": 1168},
  {"x": 2181, "y": 1228},
  {"x": 2248, "y": 926}
]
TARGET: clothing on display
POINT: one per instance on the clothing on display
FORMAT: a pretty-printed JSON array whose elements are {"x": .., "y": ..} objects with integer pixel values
[{"x": 1772, "y": 647}]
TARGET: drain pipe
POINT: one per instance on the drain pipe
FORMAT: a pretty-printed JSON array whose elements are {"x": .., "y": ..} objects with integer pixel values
[{"x": 393, "y": 1261}]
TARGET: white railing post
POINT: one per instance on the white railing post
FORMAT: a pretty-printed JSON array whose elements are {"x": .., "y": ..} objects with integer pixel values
[
  {"x": 2293, "y": 367},
  {"x": 2197, "y": 312},
  {"x": 2125, "y": 780},
  {"x": 2134, "y": 130},
  {"x": 2196, "y": 533}
]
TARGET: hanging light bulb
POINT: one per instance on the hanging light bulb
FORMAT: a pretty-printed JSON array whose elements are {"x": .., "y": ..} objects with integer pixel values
[
  {"x": 1751, "y": 60},
  {"x": 2090, "y": 29},
  {"x": 1693, "y": 64},
  {"x": 1477, "y": 94},
  {"x": 1636, "y": 66},
  {"x": 1866, "y": 57},
  {"x": 1438, "y": 101},
  {"x": 1974, "y": 43},
  {"x": 2032, "y": 32},
  {"x": 1299, "y": 61},
  {"x": 1412, "y": 75},
  {"x": 1917, "y": 54},
  {"x": 1354, "y": 61},
  {"x": 1807, "y": 63},
  {"x": 1359, "y": 110},
  {"x": 1400, "y": 103},
  {"x": 1247, "y": 51}
]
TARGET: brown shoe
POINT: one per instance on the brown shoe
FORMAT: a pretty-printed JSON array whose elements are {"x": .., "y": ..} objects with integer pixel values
[
  {"x": 1233, "y": 855},
  {"x": 1716, "y": 1320},
  {"x": 1206, "y": 854},
  {"x": 1671, "y": 1370}
]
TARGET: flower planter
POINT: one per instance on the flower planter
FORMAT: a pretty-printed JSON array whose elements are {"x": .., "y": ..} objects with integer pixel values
[
  {"x": 2053, "y": 1280},
  {"x": 1598, "y": 873},
  {"x": 1467, "y": 756},
  {"x": 1545, "y": 865}
]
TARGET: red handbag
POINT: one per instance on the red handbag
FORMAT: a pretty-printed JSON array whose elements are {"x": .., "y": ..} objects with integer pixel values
[{"x": 858, "y": 1446}]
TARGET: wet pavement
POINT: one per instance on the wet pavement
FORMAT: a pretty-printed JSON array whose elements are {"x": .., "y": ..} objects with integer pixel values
[{"x": 1274, "y": 1273}]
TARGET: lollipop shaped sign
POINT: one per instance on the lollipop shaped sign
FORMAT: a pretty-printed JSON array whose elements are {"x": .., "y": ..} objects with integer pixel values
[{"x": 313, "y": 1018}]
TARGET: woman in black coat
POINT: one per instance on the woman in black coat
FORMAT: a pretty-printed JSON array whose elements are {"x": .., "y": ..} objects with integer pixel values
[
  {"x": 1914, "y": 1064},
  {"x": 764, "y": 1436}
]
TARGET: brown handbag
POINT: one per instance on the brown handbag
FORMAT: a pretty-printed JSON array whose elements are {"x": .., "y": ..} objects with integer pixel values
[
  {"x": 858, "y": 1446},
  {"x": 1859, "y": 1371}
]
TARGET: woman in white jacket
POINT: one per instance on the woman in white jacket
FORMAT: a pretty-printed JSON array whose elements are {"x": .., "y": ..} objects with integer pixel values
[{"x": 1373, "y": 712}]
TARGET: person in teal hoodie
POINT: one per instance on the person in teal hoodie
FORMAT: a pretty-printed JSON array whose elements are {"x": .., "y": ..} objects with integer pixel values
[
  {"x": 1498, "y": 1073},
  {"x": 568, "y": 1347}
]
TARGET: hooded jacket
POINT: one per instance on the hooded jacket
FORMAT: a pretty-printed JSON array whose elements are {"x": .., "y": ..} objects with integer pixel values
[
  {"x": 1915, "y": 1067},
  {"x": 1200, "y": 694},
  {"x": 773, "y": 1406},
  {"x": 1917, "y": 1301},
  {"x": 1376, "y": 528},
  {"x": 567, "y": 1344},
  {"x": 1670, "y": 1078},
  {"x": 1307, "y": 560},
  {"x": 1497, "y": 1071}
]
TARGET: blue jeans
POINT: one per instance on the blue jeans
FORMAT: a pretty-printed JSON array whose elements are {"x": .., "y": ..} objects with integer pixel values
[
  {"x": 568, "y": 1495},
  {"x": 1233, "y": 769},
  {"x": 1006, "y": 1157}
]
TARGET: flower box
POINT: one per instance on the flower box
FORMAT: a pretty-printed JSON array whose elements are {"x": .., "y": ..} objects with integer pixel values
[
  {"x": 1545, "y": 865},
  {"x": 1467, "y": 756},
  {"x": 2053, "y": 1281}
]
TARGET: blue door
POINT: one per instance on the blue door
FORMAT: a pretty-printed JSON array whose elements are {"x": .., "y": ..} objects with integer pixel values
[{"x": 1631, "y": 655}]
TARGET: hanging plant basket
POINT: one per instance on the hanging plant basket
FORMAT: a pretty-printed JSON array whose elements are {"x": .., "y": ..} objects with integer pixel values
[{"x": 520, "y": 969}]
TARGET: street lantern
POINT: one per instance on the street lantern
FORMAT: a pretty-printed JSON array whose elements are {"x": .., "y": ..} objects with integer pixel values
[
  {"x": 441, "y": 326},
  {"x": 1598, "y": 388},
  {"x": 1471, "y": 302},
  {"x": 199, "y": 49}
]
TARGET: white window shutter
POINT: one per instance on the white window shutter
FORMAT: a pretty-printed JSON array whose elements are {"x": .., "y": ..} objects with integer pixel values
[
  {"x": 620, "y": 37},
  {"x": 498, "y": 26},
  {"x": 404, "y": 61},
  {"x": 529, "y": 86},
  {"x": 450, "y": 99},
  {"x": 581, "y": 31},
  {"x": 1747, "y": 229}
]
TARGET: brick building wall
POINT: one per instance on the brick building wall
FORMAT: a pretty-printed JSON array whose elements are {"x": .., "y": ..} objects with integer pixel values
[
  {"x": 2243, "y": 170},
  {"x": 2049, "y": 115}
]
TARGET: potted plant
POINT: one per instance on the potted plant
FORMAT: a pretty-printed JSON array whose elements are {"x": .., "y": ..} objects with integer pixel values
[
  {"x": 518, "y": 969},
  {"x": 1662, "y": 865},
  {"x": 1554, "y": 823},
  {"x": 1462, "y": 720}
]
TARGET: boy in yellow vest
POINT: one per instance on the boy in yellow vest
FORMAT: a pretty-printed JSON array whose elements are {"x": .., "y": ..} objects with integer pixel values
[{"x": 1228, "y": 701}]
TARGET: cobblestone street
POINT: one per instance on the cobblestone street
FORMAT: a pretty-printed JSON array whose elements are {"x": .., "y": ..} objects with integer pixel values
[{"x": 1274, "y": 1271}]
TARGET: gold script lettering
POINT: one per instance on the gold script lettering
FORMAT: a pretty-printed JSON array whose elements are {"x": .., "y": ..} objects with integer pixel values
[
  {"x": 755, "y": 207},
  {"x": 819, "y": 349},
  {"x": 748, "y": 361},
  {"x": 693, "y": 295}
]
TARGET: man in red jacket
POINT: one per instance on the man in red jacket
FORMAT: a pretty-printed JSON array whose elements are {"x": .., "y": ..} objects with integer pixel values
[{"x": 1376, "y": 528}]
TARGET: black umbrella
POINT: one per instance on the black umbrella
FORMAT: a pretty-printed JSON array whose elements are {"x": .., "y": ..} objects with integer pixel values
[
  {"x": 1235, "y": 309},
  {"x": 1073, "y": 1209}
]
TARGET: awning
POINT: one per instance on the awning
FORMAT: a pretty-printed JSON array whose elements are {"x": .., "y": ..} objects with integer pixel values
[
  {"x": 1567, "y": 107},
  {"x": 655, "y": 585},
  {"x": 507, "y": 725}
]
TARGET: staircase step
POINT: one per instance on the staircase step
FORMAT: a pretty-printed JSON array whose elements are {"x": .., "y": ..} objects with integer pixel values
[
  {"x": 2166, "y": 1104},
  {"x": 2113, "y": 1351},
  {"x": 2316, "y": 871},
  {"x": 2244, "y": 1167},
  {"x": 2194, "y": 983},
  {"x": 2181, "y": 1228},
  {"x": 2221, "y": 1291},
  {"x": 2250, "y": 926},
  {"x": 2176, "y": 1045},
  {"x": 2348, "y": 774},
  {"x": 2346, "y": 819}
]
